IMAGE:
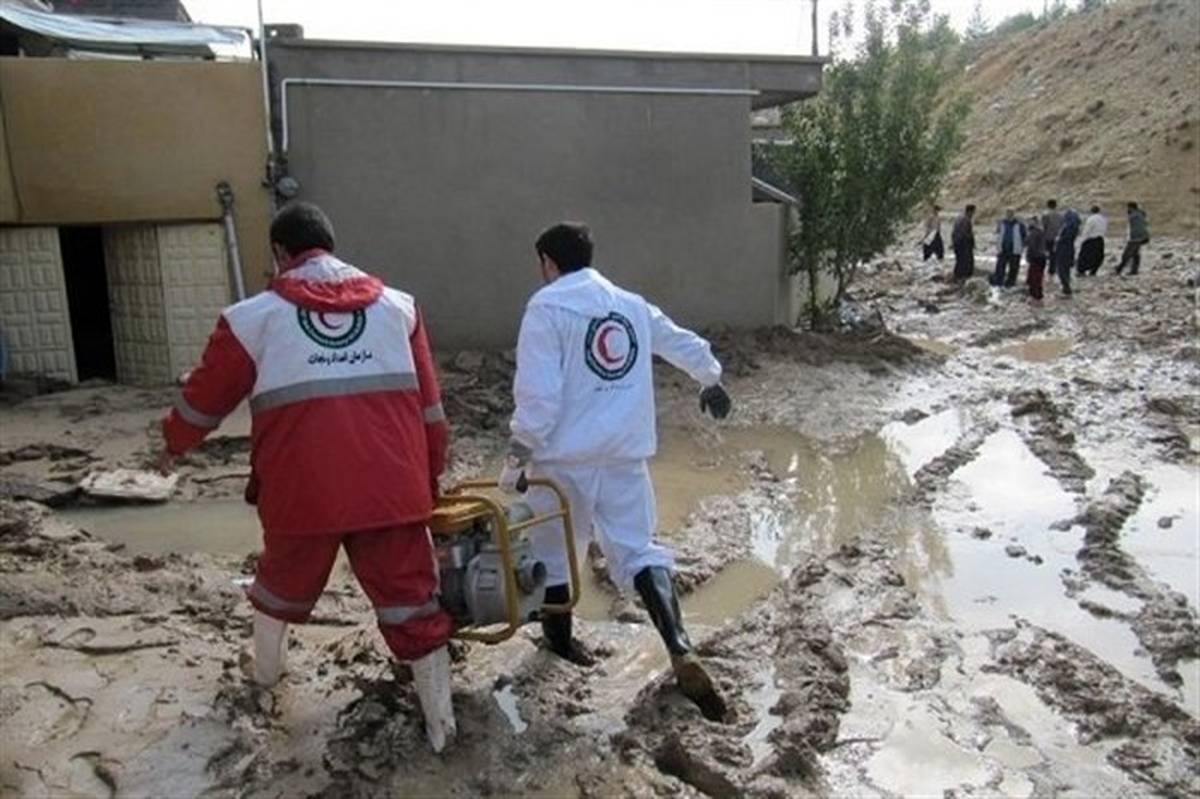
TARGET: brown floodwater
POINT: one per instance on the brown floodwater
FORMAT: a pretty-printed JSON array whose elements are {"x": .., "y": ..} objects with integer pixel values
[{"x": 837, "y": 491}]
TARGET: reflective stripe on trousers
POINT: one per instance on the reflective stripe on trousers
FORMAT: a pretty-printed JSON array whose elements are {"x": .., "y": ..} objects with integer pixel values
[
  {"x": 259, "y": 592},
  {"x": 399, "y": 614}
]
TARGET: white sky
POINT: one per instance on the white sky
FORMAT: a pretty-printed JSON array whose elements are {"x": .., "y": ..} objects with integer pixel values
[{"x": 731, "y": 26}]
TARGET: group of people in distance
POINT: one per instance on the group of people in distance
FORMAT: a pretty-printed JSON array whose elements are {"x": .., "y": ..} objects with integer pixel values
[{"x": 1045, "y": 241}]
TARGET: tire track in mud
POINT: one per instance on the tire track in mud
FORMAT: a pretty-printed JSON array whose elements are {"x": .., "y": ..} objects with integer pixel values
[
  {"x": 1159, "y": 742},
  {"x": 783, "y": 646},
  {"x": 1166, "y": 625},
  {"x": 932, "y": 478},
  {"x": 1048, "y": 438}
]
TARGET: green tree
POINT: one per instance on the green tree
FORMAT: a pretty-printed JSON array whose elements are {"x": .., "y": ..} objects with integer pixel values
[
  {"x": 1056, "y": 11},
  {"x": 870, "y": 148},
  {"x": 1015, "y": 24},
  {"x": 977, "y": 25}
]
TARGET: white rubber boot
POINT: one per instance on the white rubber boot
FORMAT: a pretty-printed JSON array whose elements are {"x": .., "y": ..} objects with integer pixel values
[
  {"x": 270, "y": 649},
  {"x": 431, "y": 675}
]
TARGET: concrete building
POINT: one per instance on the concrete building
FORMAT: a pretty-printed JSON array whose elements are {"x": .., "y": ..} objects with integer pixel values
[
  {"x": 439, "y": 165},
  {"x": 113, "y": 256}
]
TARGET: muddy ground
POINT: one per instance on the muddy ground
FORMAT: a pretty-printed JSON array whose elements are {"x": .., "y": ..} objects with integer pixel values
[{"x": 957, "y": 557}]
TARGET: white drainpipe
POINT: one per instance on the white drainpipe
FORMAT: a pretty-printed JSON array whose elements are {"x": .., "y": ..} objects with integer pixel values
[{"x": 225, "y": 195}]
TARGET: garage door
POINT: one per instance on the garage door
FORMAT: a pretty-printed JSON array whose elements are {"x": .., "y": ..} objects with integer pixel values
[{"x": 34, "y": 318}]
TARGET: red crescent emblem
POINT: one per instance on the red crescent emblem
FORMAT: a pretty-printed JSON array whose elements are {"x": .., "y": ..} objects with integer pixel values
[
  {"x": 325, "y": 322},
  {"x": 602, "y": 345}
]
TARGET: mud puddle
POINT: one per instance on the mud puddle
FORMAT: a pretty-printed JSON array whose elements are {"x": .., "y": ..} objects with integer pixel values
[
  {"x": 1164, "y": 534},
  {"x": 1005, "y": 559},
  {"x": 936, "y": 346},
  {"x": 1038, "y": 350},
  {"x": 730, "y": 594},
  {"x": 985, "y": 556},
  {"x": 218, "y": 528},
  {"x": 988, "y": 553},
  {"x": 918, "y": 443},
  {"x": 506, "y": 700}
]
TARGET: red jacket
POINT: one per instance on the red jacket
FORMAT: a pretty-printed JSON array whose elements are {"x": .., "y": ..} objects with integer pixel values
[{"x": 348, "y": 432}]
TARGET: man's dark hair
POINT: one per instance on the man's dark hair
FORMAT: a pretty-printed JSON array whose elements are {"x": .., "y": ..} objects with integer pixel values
[
  {"x": 301, "y": 226},
  {"x": 1095, "y": 209},
  {"x": 970, "y": 209},
  {"x": 568, "y": 244},
  {"x": 1132, "y": 206},
  {"x": 1051, "y": 203}
]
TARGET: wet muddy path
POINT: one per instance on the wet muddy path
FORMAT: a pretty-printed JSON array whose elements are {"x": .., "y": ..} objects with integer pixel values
[{"x": 969, "y": 569}]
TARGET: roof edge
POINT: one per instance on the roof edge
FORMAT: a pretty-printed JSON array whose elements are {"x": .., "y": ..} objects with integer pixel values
[{"x": 488, "y": 49}]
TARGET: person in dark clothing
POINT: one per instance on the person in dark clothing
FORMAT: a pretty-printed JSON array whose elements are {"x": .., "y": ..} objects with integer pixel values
[
  {"x": 932, "y": 243},
  {"x": 1064, "y": 250},
  {"x": 1051, "y": 224},
  {"x": 1139, "y": 235},
  {"x": 962, "y": 239},
  {"x": 1035, "y": 254},
  {"x": 1010, "y": 241}
]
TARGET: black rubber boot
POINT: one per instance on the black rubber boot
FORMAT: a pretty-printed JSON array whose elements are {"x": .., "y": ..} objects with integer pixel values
[
  {"x": 556, "y": 629},
  {"x": 658, "y": 593}
]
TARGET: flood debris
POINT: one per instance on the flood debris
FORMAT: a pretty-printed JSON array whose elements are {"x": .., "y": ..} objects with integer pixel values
[{"x": 129, "y": 485}]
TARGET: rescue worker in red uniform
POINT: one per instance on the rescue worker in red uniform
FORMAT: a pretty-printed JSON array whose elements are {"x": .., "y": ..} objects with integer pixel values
[{"x": 348, "y": 440}]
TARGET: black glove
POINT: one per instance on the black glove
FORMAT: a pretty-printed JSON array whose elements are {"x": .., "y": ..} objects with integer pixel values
[{"x": 714, "y": 401}]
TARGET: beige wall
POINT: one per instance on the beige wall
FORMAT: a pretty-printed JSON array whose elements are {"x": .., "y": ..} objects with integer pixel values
[{"x": 94, "y": 142}]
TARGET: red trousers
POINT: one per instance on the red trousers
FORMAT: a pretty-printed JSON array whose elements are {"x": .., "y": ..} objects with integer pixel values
[
  {"x": 1034, "y": 276},
  {"x": 396, "y": 568}
]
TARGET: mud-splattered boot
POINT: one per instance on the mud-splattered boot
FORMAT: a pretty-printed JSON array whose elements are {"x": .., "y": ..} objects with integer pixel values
[
  {"x": 556, "y": 629},
  {"x": 658, "y": 593},
  {"x": 431, "y": 677},
  {"x": 270, "y": 649}
]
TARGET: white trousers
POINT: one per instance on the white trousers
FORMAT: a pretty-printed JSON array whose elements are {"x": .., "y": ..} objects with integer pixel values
[{"x": 614, "y": 503}]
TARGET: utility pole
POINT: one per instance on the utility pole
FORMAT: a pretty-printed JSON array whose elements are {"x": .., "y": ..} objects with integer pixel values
[{"x": 814, "y": 27}]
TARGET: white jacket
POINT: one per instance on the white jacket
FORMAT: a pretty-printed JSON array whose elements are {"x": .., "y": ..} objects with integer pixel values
[
  {"x": 1096, "y": 227},
  {"x": 584, "y": 387}
]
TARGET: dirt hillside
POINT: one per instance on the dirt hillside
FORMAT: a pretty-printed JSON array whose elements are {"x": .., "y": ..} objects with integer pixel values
[{"x": 1099, "y": 107}]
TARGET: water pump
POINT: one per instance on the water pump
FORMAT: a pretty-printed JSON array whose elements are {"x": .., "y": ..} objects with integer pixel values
[{"x": 491, "y": 583}]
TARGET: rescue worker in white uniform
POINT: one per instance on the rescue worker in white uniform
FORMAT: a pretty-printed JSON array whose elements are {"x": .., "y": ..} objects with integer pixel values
[{"x": 585, "y": 418}]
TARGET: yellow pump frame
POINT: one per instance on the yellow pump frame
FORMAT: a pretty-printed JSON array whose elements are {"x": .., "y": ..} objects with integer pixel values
[{"x": 457, "y": 511}]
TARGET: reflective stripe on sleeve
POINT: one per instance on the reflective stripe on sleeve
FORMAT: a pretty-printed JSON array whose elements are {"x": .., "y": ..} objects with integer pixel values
[
  {"x": 435, "y": 414},
  {"x": 195, "y": 417},
  {"x": 398, "y": 614},
  {"x": 333, "y": 387}
]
